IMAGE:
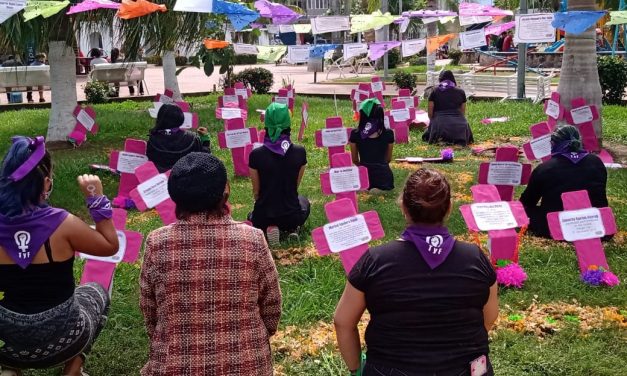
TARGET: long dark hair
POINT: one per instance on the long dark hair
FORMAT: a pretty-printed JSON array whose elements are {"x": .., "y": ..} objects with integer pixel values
[
  {"x": 447, "y": 75},
  {"x": 115, "y": 55},
  {"x": 376, "y": 115}
]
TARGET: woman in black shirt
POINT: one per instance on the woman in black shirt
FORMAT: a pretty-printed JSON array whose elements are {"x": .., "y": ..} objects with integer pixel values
[
  {"x": 167, "y": 142},
  {"x": 372, "y": 144},
  {"x": 447, "y": 111},
  {"x": 570, "y": 169},
  {"x": 431, "y": 299}
]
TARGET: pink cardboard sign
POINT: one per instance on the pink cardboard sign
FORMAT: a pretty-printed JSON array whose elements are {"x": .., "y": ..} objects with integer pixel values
[
  {"x": 239, "y": 89},
  {"x": 378, "y": 87},
  {"x": 125, "y": 162},
  {"x": 505, "y": 172},
  {"x": 190, "y": 120},
  {"x": 554, "y": 110},
  {"x": 332, "y": 138},
  {"x": 237, "y": 136},
  {"x": 582, "y": 116},
  {"x": 344, "y": 179},
  {"x": 360, "y": 95},
  {"x": 228, "y": 113},
  {"x": 102, "y": 269},
  {"x": 152, "y": 192},
  {"x": 337, "y": 211},
  {"x": 85, "y": 123},
  {"x": 304, "y": 113},
  {"x": 166, "y": 97},
  {"x": 539, "y": 148},
  {"x": 232, "y": 101}
]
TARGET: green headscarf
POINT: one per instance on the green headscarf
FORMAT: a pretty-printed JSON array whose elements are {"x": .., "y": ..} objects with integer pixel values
[
  {"x": 277, "y": 119},
  {"x": 367, "y": 105}
]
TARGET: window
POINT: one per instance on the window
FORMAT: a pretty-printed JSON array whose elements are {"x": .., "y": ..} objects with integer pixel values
[{"x": 317, "y": 4}]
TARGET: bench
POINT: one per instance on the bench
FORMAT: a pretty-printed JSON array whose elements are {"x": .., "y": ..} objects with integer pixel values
[
  {"x": 125, "y": 74},
  {"x": 23, "y": 78}
]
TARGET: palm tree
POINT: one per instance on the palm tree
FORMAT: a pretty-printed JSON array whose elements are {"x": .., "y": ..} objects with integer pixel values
[{"x": 579, "y": 76}]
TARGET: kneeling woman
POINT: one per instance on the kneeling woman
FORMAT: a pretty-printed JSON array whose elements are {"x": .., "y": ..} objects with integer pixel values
[
  {"x": 372, "y": 144},
  {"x": 276, "y": 170},
  {"x": 44, "y": 320},
  {"x": 447, "y": 111},
  {"x": 431, "y": 298},
  {"x": 570, "y": 169}
]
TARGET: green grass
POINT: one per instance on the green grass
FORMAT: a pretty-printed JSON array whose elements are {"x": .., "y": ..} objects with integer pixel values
[{"x": 311, "y": 287}]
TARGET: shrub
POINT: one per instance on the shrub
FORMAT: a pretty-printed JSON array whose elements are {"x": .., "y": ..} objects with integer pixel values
[
  {"x": 154, "y": 59},
  {"x": 404, "y": 80},
  {"x": 96, "y": 92},
  {"x": 245, "y": 60},
  {"x": 417, "y": 60},
  {"x": 455, "y": 56},
  {"x": 259, "y": 80},
  {"x": 394, "y": 57},
  {"x": 180, "y": 61},
  {"x": 613, "y": 78}
]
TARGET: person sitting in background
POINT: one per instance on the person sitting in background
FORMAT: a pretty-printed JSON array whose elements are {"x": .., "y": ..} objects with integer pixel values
[
  {"x": 167, "y": 142},
  {"x": 96, "y": 57},
  {"x": 570, "y": 169},
  {"x": 44, "y": 320},
  {"x": 209, "y": 288},
  {"x": 447, "y": 111},
  {"x": 276, "y": 170},
  {"x": 371, "y": 145},
  {"x": 500, "y": 40},
  {"x": 40, "y": 59},
  {"x": 507, "y": 42},
  {"x": 116, "y": 58},
  {"x": 11, "y": 61},
  {"x": 432, "y": 299}
]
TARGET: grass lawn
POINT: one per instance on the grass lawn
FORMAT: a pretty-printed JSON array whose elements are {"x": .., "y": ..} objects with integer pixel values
[{"x": 555, "y": 325}]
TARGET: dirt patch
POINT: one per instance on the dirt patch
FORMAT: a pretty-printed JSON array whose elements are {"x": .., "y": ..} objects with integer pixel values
[{"x": 618, "y": 151}]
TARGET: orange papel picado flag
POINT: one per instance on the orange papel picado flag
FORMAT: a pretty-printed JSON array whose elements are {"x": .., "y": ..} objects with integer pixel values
[
  {"x": 212, "y": 44},
  {"x": 434, "y": 43},
  {"x": 133, "y": 9}
]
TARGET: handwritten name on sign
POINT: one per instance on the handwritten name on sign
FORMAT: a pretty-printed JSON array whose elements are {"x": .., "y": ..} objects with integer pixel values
[
  {"x": 347, "y": 233},
  {"x": 154, "y": 190},
  {"x": 505, "y": 173},
  {"x": 493, "y": 216},
  {"x": 581, "y": 224},
  {"x": 344, "y": 179},
  {"x": 334, "y": 137},
  {"x": 128, "y": 162}
]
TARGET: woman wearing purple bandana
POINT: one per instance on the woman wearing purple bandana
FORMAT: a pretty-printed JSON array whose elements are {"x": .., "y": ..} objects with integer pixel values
[
  {"x": 570, "y": 169},
  {"x": 447, "y": 111},
  {"x": 372, "y": 145},
  {"x": 44, "y": 320},
  {"x": 432, "y": 299}
]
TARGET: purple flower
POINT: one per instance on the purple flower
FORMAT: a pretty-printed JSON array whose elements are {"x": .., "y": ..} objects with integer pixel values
[
  {"x": 593, "y": 277},
  {"x": 447, "y": 154}
]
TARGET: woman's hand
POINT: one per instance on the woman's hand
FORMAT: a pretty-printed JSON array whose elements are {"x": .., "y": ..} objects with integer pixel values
[
  {"x": 203, "y": 131},
  {"x": 90, "y": 185}
]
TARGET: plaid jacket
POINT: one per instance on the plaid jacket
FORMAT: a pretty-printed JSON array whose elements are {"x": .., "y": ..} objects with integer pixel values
[{"x": 211, "y": 299}]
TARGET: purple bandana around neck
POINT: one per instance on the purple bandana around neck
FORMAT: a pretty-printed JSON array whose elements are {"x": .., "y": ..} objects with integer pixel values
[
  {"x": 434, "y": 243},
  {"x": 446, "y": 84},
  {"x": 563, "y": 149},
  {"x": 370, "y": 128},
  {"x": 280, "y": 146},
  {"x": 22, "y": 236}
]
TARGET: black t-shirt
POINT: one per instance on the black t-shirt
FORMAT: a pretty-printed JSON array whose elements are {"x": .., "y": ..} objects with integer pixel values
[
  {"x": 278, "y": 180},
  {"x": 423, "y": 319},
  {"x": 558, "y": 175},
  {"x": 372, "y": 150},
  {"x": 446, "y": 100}
]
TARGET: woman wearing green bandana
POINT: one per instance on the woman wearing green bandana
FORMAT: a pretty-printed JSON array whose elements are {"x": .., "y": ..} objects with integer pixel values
[
  {"x": 276, "y": 170},
  {"x": 371, "y": 145}
]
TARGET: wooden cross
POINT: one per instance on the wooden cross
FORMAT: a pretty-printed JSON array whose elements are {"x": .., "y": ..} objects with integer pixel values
[
  {"x": 344, "y": 179},
  {"x": 334, "y": 136},
  {"x": 554, "y": 110},
  {"x": 582, "y": 116},
  {"x": 125, "y": 162},
  {"x": 85, "y": 123},
  {"x": 505, "y": 172},
  {"x": 236, "y": 137},
  {"x": 347, "y": 232},
  {"x": 539, "y": 147},
  {"x": 152, "y": 192}
]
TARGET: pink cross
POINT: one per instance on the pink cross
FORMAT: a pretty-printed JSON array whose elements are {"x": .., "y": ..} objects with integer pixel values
[
  {"x": 284, "y": 99},
  {"x": 289, "y": 91},
  {"x": 102, "y": 269},
  {"x": 344, "y": 179},
  {"x": 378, "y": 86},
  {"x": 304, "y": 112},
  {"x": 583, "y": 116},
  {"x": 399, "y": 118},
  {"x": 232, "y": 101},
  {"x": 505, "y": 172},
  {"x": 156, "y": 106},
  {"x": 152, "y": 192},
  {"x": 503, "y": 237},
  {"x": 587, "y": 245},
  {"x": 166, "y": 97},
  {"x": 237, "y": 136},
  {"x": 540, "y": 145},
  {"x": 85, "y": 123},
  {"x": 228, "y": 113},
  {"x": 341, "y": 214},
  {"x": 554, "y": 110},
  {"x": 239, "y": 89},
  {"x": 359, "y": 95},
  {"x": 125, "y": 162},
  {"x": 332, "y": 137},
  {"x": 404, "y": 95}
]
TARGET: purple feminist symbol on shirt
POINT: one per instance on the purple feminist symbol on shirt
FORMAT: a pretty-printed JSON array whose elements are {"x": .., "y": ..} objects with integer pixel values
[{"x": 433, "y": 243}]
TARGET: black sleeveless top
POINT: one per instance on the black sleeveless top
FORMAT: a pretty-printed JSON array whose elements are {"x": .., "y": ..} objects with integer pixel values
[{"x": 37, "y": 288}]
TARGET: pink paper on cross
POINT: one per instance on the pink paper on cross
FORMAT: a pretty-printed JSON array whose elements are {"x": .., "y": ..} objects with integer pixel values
[
  {"x": 582, "y": 116},
  {"x": 554, "y": 110},
  {"x": 152, "y": 192},
  {"x": 85, "y": 123},
  {"x": 232, "y": 101},
  {"x": 348, "y": 233},
  {"x": 288, "y": 91},
  {"x": 344, "y": 179},
  {"x": 334, "y": 137},
  {"x": 102, "y": 269},
  {"x": 584, "y": 226},
  {"x": 505, "y": 172},
  {"x": 304, "y": 113},
  {"x": 539, "y": 147},
  {"x": 125, "y": 162},
  {"x": 237, "y": 136},
  {"x": 499, "y": 218}
]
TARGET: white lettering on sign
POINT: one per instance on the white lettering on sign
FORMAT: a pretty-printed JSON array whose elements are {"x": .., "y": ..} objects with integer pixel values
[
  {"x": 344, "y": 179},
  {"x": 582, "y": 115},
  {"x": 347, "y": 233},
  {"x": 115, "y": 259},
  {"x": 231, "y": 113},
  {"x": 154, "y": 190},
  {"x": 493, "y": 216},
  {"x": 541, "y": 146},
  {"x": 581, "y": 224},
  {"x": 505, "y": 173},
  {"x": 552, "y": 109},
  {"x": 334, "y": 137},
  {"x": 377, "y": 86},
  {"x": 85, "y": 119},
  {"x": 128, "y": 162},
  {"x": 237, "y": 138},
  {"x": 401, "y": 114}
]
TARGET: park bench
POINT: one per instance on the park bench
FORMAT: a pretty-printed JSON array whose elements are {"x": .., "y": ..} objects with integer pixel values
[
  {"x": 124, "y": 74},
  {"x": 25, "y": 77}
]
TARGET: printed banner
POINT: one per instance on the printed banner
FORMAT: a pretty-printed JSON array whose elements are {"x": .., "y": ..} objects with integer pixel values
[
  {"x": 271, "y": 53},
  {"x": 472, "y": 39},
  {"x": 297, "y": 54},
  {"x": 196, "y": 6},
  {"x": 354, "y": 49},
  {"x": 43, "y": 8},
  {"x": 321, "y": 25},
  {"x": 10, "y": 7},
  {"x": 245, "y": 49},
  {"x": 413, "y": 46},
  {"x": 534, "y": 28}
]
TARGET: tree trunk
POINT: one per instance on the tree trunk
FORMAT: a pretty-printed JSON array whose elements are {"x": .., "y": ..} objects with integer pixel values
[
  {"x": 432, "y": 31},
  {"x": 169, "y": 75},
  {"x": 63, "y": 90},
  {"x": 579, "y": 75}
]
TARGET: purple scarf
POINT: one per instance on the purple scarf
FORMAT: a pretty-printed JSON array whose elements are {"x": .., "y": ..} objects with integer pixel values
[
  {"x": 22, "y": 236},
  {"x": 434, "y": 243},
  {"x": 563, "y": 149},
  {"x": 445, "y": 85},
  {"x": 280, "y": 146},
  {"x": 371, "y": 127}
]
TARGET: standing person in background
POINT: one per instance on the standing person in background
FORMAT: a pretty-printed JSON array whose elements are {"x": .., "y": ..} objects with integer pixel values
[
  {"x": 499, "y": 41},
  {"x": 140, "y": 84},
  {"x": 117, "y": 58},
  {"x": 40, "y": 59},
  {"x": 432, "y": 299}
]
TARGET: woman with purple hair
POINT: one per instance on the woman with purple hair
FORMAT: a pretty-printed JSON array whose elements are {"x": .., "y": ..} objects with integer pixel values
[{"x": 44, "y": 320}]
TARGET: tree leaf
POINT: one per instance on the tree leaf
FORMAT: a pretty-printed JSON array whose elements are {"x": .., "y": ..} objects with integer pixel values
[
  {"x": 223, "y": 68},
  {"x": 208, "y": 68},
  {"x": 178, "y": 71}
]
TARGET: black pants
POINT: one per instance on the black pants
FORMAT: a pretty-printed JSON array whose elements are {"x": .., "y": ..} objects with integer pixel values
[
  {"x": 372, "y": 369},
  {"x": 538, "y": 224},
  {"x": 285, "y": 223}
]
